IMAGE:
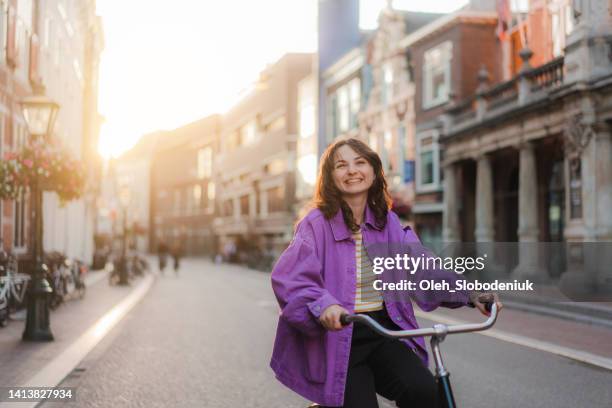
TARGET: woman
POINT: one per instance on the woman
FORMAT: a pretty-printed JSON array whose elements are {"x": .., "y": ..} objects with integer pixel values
[{"x": 326, "y": 272}]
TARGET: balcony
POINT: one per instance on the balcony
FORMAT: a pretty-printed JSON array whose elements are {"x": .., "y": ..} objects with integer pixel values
[{"x": 530, "y": 87}]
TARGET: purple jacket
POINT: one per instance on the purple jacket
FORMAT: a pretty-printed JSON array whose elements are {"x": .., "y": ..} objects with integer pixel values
[{"x": 318, "y": 270}]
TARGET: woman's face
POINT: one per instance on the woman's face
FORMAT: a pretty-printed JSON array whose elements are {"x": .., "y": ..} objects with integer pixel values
[{"x": 353, "y": 174}]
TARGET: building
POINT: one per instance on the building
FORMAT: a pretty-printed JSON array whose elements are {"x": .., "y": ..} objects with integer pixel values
[
  {"x": 387, "y": 120},
  {"x": 255, "y": 167},
  {"x": 182, "y": 188},
  {"x": 54, "y": 47},
  {"x": 338, "y": 34},
  {"x": 130, "y": 173},
  {"x": 530, "y": 158},
  {"x": 392, "y": 90}
]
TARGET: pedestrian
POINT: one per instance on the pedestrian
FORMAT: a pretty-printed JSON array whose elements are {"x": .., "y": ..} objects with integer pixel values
[
  {"x": 162, "y": 255},
  {"x": 321, "y": 276},
  {"x": 176, "y": 253}
]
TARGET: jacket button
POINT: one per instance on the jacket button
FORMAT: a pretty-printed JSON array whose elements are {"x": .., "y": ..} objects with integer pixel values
[{"x": 317, "y": 308}]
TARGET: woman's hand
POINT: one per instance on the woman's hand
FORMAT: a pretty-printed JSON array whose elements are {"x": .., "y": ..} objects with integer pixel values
[
  {"x": 479, "y": 300},
  {"x": 330, "y": 318}
]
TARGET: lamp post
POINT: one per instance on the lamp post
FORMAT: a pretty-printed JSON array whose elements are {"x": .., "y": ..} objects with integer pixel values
[
  {"x": 124, "y": 198},
  {"x": 39, "y": 112}
]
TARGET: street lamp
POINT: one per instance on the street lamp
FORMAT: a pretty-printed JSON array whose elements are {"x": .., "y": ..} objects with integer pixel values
[
  {"x": 124, "y": 199},
  {"x": 39, "y": 112}
]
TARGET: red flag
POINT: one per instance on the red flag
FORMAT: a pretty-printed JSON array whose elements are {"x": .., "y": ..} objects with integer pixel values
[{"x": 504, "y": 16}]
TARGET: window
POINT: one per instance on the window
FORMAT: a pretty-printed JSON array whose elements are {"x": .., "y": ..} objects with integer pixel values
[
  {"x": 343, "y": 109},
  {"x": 177, "y": 202},
  {"x": 244, "y": 205},
  {"x": 248, "y": 134},
  {"x": 355, "y": 101},
  {"x": 386, "y": 151},
  {"x": 428, "y": 162},
  {"x": 387, "y": 83},
  {"x": 228, "y": 208},
  {"x": 204, "y": 162},
  {"x": 437, "y": 75},
  {"x": 307, "y": 168},
  {"x": 197, "y": 196},
  {"x": 210, "y": 190},
  {"x": 332, "y": 117},
  {"x": 575, "y": 187},
  {"x": 562, "y": 24},
  {"x": 276, "y": 199},
  {"x": 307, "y": 119}
]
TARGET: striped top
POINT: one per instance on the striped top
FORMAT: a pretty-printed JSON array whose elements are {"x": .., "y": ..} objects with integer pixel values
[{"x": 367, "y": 299}]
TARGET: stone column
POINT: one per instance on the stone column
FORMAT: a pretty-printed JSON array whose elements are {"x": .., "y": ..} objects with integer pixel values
[
  {"x": 603, "y": 176},
  {"x": 528, "y": 230},
  {"x": 484, "y": 200},
  {"x": 450, "y": 218},
  {"x": 528, "y": 195}
]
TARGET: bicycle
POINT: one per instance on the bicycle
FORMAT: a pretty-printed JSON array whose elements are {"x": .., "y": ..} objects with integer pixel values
[
  {"x": 437, "y": 333},
  {"x": 13, "y": 287}
]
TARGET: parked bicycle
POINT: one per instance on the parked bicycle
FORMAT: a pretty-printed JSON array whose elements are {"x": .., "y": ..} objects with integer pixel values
[
  {"x": 136, "y": 265},
  {"x": 66, "y": 277},
  {"x": 13, "y": 287}
]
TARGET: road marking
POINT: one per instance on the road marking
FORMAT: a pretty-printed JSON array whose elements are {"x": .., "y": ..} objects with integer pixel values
[
  {"x": 578, "y": 355},
  {"x": 55, "y": 371}
]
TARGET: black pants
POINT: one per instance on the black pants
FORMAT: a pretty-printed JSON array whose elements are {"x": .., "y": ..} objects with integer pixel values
[{"x": 387, "y": 367}]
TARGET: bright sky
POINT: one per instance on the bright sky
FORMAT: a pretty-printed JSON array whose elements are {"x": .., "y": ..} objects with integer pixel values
[{"x": 166, "y": 64}]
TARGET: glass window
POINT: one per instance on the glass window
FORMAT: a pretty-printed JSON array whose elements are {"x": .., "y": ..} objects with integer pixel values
[
  {"x": 307, "y": 120},
  {"x": 307, "y": 168},
  {"x": 248, "y": 134},
  {"x": 343, "y": 109},
  {"x": 244, "y": 205},
  {"x": 387, "y": 83},
  {"x": 355, "y": 101},
  {"x": 197, "y": 196},
  {"x": 437, "y": 75},
  {"x": 205, "y": 162},
  {"x": 428, "y": 162},
  {"x": 332, "y": 117},
  {"x": 276, "y": 199}
]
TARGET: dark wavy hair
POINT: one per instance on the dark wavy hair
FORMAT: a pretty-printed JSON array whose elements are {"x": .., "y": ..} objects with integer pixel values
[{"x": 328, "y": 198}]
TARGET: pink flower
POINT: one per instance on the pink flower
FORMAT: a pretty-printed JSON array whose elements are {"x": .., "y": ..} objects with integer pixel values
[{"x": 28, "y": 163}]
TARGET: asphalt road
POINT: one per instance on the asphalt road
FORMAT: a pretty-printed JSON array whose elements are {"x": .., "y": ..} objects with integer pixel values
[{"x": 204, "y": 339}]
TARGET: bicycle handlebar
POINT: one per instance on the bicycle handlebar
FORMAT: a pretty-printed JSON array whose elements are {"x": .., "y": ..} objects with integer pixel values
[{"x": 436, "y": 330}]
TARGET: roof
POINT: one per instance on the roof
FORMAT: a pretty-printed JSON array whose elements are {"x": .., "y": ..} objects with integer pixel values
[{"x": 444, "y": 22}]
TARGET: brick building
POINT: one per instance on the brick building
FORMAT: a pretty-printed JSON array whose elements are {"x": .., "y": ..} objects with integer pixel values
[
  {"x": 529, "y": 158},
  {"x": 53, "y": 46}
]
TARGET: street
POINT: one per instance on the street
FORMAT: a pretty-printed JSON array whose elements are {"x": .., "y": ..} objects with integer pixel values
[{"x": 204, "y": 339}]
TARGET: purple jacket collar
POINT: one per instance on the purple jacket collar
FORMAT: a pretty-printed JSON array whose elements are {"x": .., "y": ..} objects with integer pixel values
[{"x": 340, "y": 229}]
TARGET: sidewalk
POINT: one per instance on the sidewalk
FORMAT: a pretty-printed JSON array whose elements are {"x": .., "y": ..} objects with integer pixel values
[{"x": 21, "y": 361}]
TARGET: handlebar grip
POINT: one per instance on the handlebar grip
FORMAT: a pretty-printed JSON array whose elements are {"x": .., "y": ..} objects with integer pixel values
[{"x": 344, "y": 320}]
